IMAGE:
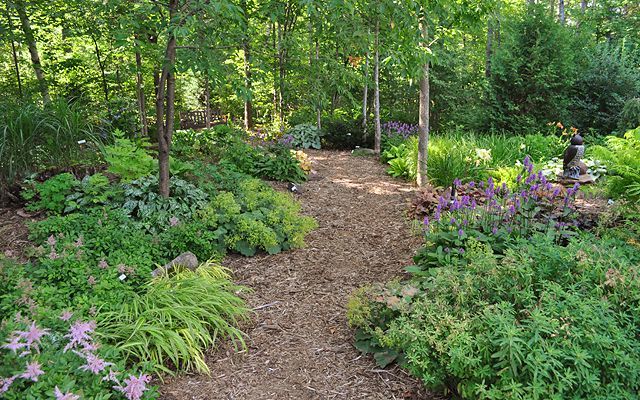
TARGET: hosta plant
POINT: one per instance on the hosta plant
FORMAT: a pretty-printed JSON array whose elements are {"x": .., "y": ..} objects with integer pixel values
[{"x": 304, "y": 136}]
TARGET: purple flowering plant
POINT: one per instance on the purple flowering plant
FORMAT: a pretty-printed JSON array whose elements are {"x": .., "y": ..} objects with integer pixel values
[
  {"x": 63, "y": 361},
  {"x": 536, "y": 205}
]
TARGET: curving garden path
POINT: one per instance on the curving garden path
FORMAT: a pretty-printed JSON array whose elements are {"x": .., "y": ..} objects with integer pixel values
[{"x": 299, "y": 344}]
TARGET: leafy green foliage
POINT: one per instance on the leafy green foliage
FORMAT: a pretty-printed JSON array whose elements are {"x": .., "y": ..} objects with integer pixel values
[
  {"x": 630, "y": 115},
  {"x": 305, "y": 136},
  {"x": 33, "y": 138},
  {"x": 143, "y": 203},
  {"x": 50, "y": 195},
  {"x": 532, "y": 73},
  {"x": 280, "y": 164},
  {"x": 177, "y": 319},
  {"x": 623, "y": 158},
  {"x": 542, "y": 321},
  {"x": 93, "y": 190},
  {"x": 127, "y": 158}
]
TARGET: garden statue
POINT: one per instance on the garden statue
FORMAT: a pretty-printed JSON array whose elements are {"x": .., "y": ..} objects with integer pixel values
[{"x": 572, "y": 165}]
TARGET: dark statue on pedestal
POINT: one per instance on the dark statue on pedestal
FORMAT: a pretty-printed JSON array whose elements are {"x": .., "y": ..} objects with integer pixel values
[{"x": 572, "y": 165}]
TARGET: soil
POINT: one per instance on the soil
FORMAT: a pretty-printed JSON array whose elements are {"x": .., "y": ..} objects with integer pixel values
[{"x": 299, "y": 342}]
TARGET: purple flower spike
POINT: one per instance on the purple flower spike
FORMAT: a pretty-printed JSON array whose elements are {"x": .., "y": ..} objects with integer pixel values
[
  {"x": 446, "y": 250},
  {"x": 519, "y": 179},
  {"x": 472, "y": 184},
  {"x": 134, "y": 387},
  {"x": 33, "y": 371},
  {"x": 460, "y": 233},
  {"x": 461, "y": 250},
  {"x": 452, "y": 221},
  {"x": 494, "y": 230},
  {"x": 64, "y": 396},
  {"x": 456, "y": 182},
  {"x": 426, "y": 222}
]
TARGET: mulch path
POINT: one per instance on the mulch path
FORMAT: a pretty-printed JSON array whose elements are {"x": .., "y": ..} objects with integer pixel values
[{"x": 299, "y": 343}]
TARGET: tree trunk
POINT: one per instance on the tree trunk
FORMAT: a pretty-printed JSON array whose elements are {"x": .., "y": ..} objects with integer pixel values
[
  {"x": 105, "y": 88},
  {"x": 142, "y": 103},
  {"x": 248, "y": 105},
  {"x": 365, "y": 96},
  {"x": 281, "y": 75},
  {"x": 14, "y": 52},
  {"x": 275, "y": 73},
  {"x": 489, "y": 49},
  {"x": 583, "y": 6},
  {"x": 423, "y": 123},
  {"x": 207, "y": 101},
  {"x": 33, "y": 49},
  {"x": 561, "y": 13},
  {"x": 318, "y": 107},
  {"x": 376, "y": 95},
  {"x": 165, "y": 127}
]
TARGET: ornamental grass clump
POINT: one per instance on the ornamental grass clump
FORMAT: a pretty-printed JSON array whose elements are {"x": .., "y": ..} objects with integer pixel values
[
  {"x": 180, "y": 316},
  {"x": 500, "y": 215}
]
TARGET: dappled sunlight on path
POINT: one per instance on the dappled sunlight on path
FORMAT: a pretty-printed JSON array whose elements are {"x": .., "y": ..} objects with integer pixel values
[{"x": 299, "y": 344}]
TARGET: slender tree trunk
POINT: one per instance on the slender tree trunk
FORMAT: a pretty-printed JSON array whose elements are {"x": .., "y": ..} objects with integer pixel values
[
  {"x": 207, "y": 101},
  {"x": 561, "y": 13},
  {"x": 489, "y": 49},
  {"x": 281, "y": 75},
  {"x": 583, "y": 6},
  {"x": 423, "y": 123},
  {"x": 33, "y": 49},
  {"x": 105, "y": 87},
  {"x": 275, "y": 73},
  {"x": 14, "y": 52},
  {"x": 246, "y": 46},
  {"x": 319, "y": 106},
  {"x": 142, "y": 103},
  {"x": 165, "y": 127},
  {"x": 376, "y": 95},
  {"x": 365, "y": 96}
]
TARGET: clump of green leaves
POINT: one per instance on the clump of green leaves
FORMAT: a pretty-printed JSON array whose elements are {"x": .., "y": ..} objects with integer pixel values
[
  {"x": 181, "y": 315},
  {"x": 93, "y": 190},
  {"x": 542, "y": 321},
  {"x": 304, "y": 136},
  {"x": 51, "y": 194},
  {"x": 128, "y": 158},
  {"x": 143, "y": 203},
  {"x": 623, "y": 158}
]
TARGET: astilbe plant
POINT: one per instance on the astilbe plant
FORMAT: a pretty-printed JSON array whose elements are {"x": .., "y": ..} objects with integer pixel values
[
  {"x": 535, "y": 206},
  {"x": 63, "y": 360}
]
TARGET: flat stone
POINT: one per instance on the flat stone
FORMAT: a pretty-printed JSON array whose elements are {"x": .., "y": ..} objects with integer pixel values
[{"x": 187, "y": 259}]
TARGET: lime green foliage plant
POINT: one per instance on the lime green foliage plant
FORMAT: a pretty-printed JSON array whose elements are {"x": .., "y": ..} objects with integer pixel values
[
  {"x": 543, "y": 321},
  {"x": 179, "y": 317},
  {"x": 127, "y": 158},
  {"x": 623, "y": 157}
]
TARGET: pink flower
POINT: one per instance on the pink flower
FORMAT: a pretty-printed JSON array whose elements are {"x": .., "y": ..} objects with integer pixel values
[
  {"x": 103, "y": 264},
  {"x": 91, "y": 280},
  {"x": 33, "y": 335},
  {"x": 134, "y": 386},
  {"x": 79, "y": 334},
  {"x": 94, "y": 364},
  {"x": 66, "y": 396},
  {"x": 52, "y": 241},
  {"x": 78, "y": 243},
  {"x": 53, "y": 255},
  {"x": 173, "y": 221},
  {"x": 14, "y": 343},
  {"x": 66, "y": 315},
  {"x": 111, "y": 376},
  {"x": 122, "y": 268},
  {"x": 6, "y": 383},
  {"x": 33, "y": 371}
]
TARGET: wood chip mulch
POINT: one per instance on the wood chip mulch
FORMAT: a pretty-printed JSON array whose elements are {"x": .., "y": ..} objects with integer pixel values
[{"x": 299, "y": 343}]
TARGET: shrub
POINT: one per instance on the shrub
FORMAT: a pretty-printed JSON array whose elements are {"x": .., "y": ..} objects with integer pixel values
[
  {"x": 543, "y": 321},
  {"x": 630, "y": 115},
  {"x": 280, "y": 164},
  {"x": 342, "y": 134},
  {"x": 93, "y": 190},
  {"x": 180, "y": 316},
  {"x": 304, "y": 136}
]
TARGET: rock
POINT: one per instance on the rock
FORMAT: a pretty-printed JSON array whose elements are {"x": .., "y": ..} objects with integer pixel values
[{"x": 187, "y": 259}]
